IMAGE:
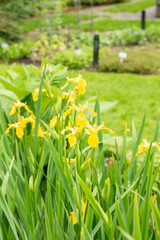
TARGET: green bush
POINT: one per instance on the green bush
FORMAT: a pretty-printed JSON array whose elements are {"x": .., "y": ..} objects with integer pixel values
[
  {"x": 152, "y": 34},
  {"x": 16, "y": 51},
  {"x": 8, "y": 26},
  {"x": 21, "y": 7},
  {"x": 138, "y": 61},
  {"x": 125, "y": 37},
  {"x": 70, "y": 59}
]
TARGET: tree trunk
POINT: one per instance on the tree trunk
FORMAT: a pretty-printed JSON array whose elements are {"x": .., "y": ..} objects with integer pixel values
[{"x": 158, "y": 9}]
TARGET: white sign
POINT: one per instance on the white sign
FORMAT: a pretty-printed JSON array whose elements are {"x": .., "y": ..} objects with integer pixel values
[
  {"x": 4, "y": 45},
  {"x": 122, "y": 56},
  {"x": 78, "y": 52}
]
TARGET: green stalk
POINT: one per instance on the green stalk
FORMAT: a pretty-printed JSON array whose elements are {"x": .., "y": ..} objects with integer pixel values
[{"x": 38, "y": 115}]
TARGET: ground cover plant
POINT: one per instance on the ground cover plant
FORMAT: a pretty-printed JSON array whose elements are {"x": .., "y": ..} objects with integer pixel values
[
  {"x": 142, "y": 61},
  {"x": 132, "y": 7},
  {"x": 52, "y": 47},
  {"x": 54, "y": 179}
]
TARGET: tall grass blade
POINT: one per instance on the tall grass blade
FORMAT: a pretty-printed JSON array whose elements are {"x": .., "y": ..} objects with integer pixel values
[
  {"x": 125, "y": 234},
  {"x": 113, "y": 207},
  {"x": 136, "y": 221},
  {"x": 156, "y": 131},
  {"x": 38, "y": 114},
  {"x": 120, "y": 217},
  {"x": 132, "y": 168},
  {"x": 62, "y": 176},
  {"x": 122, "y": 207},
  {"x": 71, "y": 230},
  {"x": 146, "y": 210},
  {"x": 5, "y": 208},
  {"x": 100, "y": 146},
  {"x": 96, "y": 207},
  {"x": 47, "y": 225},
  {"x": 156, "y": 214}
]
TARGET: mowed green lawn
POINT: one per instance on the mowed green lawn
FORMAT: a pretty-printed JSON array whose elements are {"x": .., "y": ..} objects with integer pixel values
[
  {"x": 110, "y": 25},
  {"x": 135, "y": 94},
  {"x": 132, "y": 7}
]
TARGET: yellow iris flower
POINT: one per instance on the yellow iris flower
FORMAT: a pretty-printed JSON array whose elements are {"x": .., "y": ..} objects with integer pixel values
[
  {"x": 19, "y": 105},
  {"x": 93, "y": 139},
  {"x": 69, "y": 161},
  {"x": 56, "y": 120},
  {"x": 35, "y": 94},
  {"x": 67, "y": 112},
  {"x": 41, "y": 133},
  {"x": 71, "y": 96},
  {"x": 80, "y": 84},
  {"x": 73, "y": 216},
  {"x": 144, "y": 147},
  {"x": 53, "y": 122},
  {"x": 80, "y": 118},
  {"x": 20, "y": 126},
  {"x": 72, "y": 137}
]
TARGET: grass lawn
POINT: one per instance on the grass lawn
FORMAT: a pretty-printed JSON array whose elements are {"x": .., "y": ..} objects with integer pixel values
[
  {"x": 110, "y": 25},
  {"x": 133, "y": 8},
  {"x": 136, "y": 95},
  {"x": 67, "y": 18}
]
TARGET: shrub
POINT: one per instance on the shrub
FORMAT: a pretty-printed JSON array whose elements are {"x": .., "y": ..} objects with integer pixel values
[
  {"x": 69, "y": 58},
  {"x": 137, "y": 61},
  {"x": 124, "y": 37},
  {"x": 8, "y": 26},
  {"x": 16, "y": 51},
  {"x": 22, "y": 7}
]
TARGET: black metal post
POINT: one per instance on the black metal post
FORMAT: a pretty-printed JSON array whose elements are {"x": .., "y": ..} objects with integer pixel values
[
  {"x": 96, "y": 50},
  {"x": 143, "y": 20}
]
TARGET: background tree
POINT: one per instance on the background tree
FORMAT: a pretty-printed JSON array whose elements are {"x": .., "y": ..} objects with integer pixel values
[{"x": 158, "y": 9}]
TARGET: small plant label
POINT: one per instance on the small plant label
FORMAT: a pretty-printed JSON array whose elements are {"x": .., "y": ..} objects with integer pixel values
[
  {"x": 78, "y": 52},
  {"x": 4, "y": 45},
  {"x": 122, "y": 56}
]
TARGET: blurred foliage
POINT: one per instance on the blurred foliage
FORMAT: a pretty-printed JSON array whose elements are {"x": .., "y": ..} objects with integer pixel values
[
  {"x": 96, "y": 2},
  {"x": 50, "y": 46},
  {"x": 12, "y": 12},
  {"x": 21, "y": 7},
  {"x": 8, "y": 26},
  {"x": 140, "y": 61},
  {"x": 73, "y": 60}
]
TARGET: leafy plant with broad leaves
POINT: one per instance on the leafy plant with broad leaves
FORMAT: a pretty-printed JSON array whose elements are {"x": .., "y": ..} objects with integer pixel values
[{"x": 18, "y": 82}]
